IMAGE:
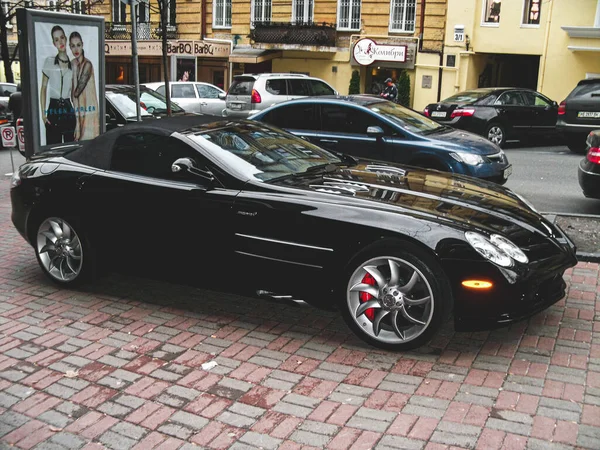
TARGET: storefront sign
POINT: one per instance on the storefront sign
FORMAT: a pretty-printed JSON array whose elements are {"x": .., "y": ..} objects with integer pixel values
[
  {"x": 182, "y": 48},
  {"x": 366, "y": 51}
]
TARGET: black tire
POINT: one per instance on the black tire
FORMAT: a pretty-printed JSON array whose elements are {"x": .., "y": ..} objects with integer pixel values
[
  {"x": 431, "y": 281},
  {"x": 576, "y": 144},
  {"x": 496, "y": 133},
  {"x": 66, "y": 269}
]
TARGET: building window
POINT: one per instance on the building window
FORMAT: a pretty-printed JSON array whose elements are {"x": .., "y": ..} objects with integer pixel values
[
  {"x": 260, "y": 11},
  {"x": 349, "y": 15},
  {"x": 79, "y": 7},
  {"x": 302, "y": 11},
  {"x": 222, "y": 14},
  {"x": 491, "y": 12},
  {"x": 532, "y": 12},
  {"x": 403, "y": 14},
  {"x": 171, "y": 12},
  {"x": 119, "y": 11},
  {"x": 53, "y": 5}
]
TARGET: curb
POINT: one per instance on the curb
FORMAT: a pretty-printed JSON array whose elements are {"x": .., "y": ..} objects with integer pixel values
[{"x": 581, "y": 256}]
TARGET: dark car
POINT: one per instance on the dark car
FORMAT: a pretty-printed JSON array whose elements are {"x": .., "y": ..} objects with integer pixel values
[
  {"x": 498, "y": 114},
  {"x": 579, "y": 114},
  {"x": 370, "y": 127},
  {"x": 589, "y": 167},
  {"x": 121, "y": 105},
  {"x": 394, "y": 248}
]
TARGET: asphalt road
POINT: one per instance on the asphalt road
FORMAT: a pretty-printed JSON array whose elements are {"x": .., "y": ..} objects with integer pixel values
[{"x": 546, "y": 176}]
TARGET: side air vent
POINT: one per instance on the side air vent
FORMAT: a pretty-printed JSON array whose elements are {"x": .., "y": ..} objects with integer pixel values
[
  {"x": 332, "y": 187},
  {"x": 386, "y": 170}
]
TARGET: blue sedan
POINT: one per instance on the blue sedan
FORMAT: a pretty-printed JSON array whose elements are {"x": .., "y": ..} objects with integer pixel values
[{"x": 366, "y": 126}]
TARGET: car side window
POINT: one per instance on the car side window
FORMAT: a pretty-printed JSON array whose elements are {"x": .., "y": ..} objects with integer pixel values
[
  {"x": 183, "y": 91},
  {"x": 205, "y": 91},
  {"x": 345, "y": 119},
  {"x": 8, "y": 89},
  {"x": 276, "y": 87},
  {"x": 152, "y": 155},
  {"x": 541, "y": 101},
  {"x": 320, "y": 88},
  {"x": 297, "y": 117},
  {"x": 161, "y": 90},
  {"x": 511, "y": 98},
  {"x": 299, "y": 87}
]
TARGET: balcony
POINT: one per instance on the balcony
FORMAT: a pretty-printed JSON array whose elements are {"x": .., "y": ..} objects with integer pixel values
[
  {"x": 294, "y": 34},
  {"x": 145, "y": 31}
]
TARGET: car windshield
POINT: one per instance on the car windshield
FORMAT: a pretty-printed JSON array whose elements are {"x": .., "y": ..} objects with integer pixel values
[
  {"x": 263, "y": 153},
  {"x": 151, "y": 102},
  {"x": 406, "y": 118},
  {"x": 466, "y": 97}
]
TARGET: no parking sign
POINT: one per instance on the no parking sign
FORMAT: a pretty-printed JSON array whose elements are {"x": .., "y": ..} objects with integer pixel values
[
  {"x": 8, "y": 137},
  {"x": 20, "y": 134}
]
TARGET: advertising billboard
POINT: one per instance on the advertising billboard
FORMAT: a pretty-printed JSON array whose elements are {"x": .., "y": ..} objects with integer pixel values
[{"x": 62, "y": 78}]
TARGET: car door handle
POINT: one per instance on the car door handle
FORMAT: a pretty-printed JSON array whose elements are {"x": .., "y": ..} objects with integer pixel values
[
  {"x": 329, "y": 141},
  {"x": 203, "y": 104}
]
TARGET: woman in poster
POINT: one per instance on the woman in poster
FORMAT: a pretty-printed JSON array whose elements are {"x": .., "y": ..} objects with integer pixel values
[
  {"x": 85, "y": 99},
  {"x": 57, "y": 75}
]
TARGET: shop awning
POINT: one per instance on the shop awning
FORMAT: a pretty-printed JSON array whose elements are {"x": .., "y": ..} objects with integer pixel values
[{"x": 252, "y": 55}]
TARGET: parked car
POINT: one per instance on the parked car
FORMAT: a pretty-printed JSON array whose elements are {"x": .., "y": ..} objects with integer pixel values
[
  {"x": 499, "y": 114},
  {"x": 589, "y": 167},
  {"x": 121, "y": 105},
  {"x": 194, "y": 97},
  {"x": 371, "y": 127},
  {"x": 251, "y": 93},
  {"x": 394, "y": 248},
  {"x": 579, "y": 114}
]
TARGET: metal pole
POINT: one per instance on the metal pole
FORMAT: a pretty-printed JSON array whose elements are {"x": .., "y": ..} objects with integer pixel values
[
  {"x": 134, "y": 51},
  {"x": 12, "y": 163}
]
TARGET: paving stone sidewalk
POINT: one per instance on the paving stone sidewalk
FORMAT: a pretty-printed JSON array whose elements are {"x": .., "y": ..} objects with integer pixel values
[{"x": 119, "y": 365}]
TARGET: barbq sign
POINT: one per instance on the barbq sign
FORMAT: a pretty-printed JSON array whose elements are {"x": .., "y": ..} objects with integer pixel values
[{"x": 366, "y": 51}]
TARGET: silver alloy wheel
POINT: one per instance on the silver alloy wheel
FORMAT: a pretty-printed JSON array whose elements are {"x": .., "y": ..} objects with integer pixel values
[
  {"x": 400, "y": 296},
  {"x": 59, "y": 249},
  {"x": 495, "y": 134}
]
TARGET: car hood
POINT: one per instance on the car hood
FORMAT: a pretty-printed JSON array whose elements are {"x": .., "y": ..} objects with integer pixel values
[
  {"x": 459, "y": 140},
  {"x": 464, "y": 201}
]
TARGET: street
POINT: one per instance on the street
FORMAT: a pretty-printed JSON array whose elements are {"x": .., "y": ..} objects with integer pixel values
[{"x": 546, "y": 176}]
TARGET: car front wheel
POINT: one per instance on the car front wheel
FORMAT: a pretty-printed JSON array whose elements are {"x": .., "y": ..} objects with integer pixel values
[
  {"x": 63, "y": 252},
  {"x": 396, "y": 297}
]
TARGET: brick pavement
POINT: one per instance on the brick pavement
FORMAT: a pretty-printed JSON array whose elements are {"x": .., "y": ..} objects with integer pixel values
[{"x": 119, "y": 365}]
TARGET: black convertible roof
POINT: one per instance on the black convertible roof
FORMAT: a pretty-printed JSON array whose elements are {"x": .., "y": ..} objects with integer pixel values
[{"x": 98, "y": 152}]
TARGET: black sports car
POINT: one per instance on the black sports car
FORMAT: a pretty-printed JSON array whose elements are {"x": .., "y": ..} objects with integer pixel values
[
  {"x": 498, "y": 113},
  {"x": 394, "y": 248}
]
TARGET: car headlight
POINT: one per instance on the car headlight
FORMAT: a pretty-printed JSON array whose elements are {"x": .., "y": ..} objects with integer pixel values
[
  {"x": 15, "y": 180},
  {"x": 509, "y": 248},
  {"x": 488, "y": 250},
  {"x": 468, "y": 158}
]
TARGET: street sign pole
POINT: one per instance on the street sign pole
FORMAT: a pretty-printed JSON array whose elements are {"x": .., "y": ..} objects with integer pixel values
[{"x": 134, "y": 52}]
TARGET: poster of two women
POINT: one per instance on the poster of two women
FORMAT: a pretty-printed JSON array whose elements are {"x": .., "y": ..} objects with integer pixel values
[{"x": 65, "y": 78}]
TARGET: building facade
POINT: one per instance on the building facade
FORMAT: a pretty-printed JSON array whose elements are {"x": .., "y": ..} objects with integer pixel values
[{"x": 545, "y": 45}]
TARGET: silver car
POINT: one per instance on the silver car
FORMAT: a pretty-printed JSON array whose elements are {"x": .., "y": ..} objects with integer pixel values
[
  {"x": 195, "y": 97},
  {"x": 250, "y": 93}
]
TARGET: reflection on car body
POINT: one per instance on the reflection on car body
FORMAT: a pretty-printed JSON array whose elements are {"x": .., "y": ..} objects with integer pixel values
[{"x": 238, "y": 203}]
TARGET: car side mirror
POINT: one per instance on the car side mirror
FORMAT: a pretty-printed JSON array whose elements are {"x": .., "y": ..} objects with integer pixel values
[
  {"x": 222, "y": 95},
  {"x": 376, "y": 132},
  {"x": 188, "y": 165}
]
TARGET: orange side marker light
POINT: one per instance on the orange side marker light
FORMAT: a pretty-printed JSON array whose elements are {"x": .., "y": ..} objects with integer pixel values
[{"x": 477, "y": 284}]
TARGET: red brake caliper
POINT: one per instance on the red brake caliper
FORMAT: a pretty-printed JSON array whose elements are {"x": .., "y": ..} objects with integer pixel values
[{"x": 365, "y": 296}]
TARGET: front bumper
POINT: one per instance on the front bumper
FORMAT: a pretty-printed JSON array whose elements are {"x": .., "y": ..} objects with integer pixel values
[
  {"x": 21, "y": 211},
  {"x": 513, "y": 297}
]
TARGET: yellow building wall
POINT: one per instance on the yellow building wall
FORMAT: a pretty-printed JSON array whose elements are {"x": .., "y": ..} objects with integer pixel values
[
  {"x": 428, "y": 65},
  {"x": 510, "y": 36},
  {"x": 563, "y": 68}
]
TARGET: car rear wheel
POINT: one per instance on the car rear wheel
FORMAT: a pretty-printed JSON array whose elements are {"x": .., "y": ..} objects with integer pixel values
[
  {"x": 63, "y": 252},
  {"x": 576, "y": 144},
  {"x": 396, "y": 297},
  {"x": 495, "y": 133}
]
